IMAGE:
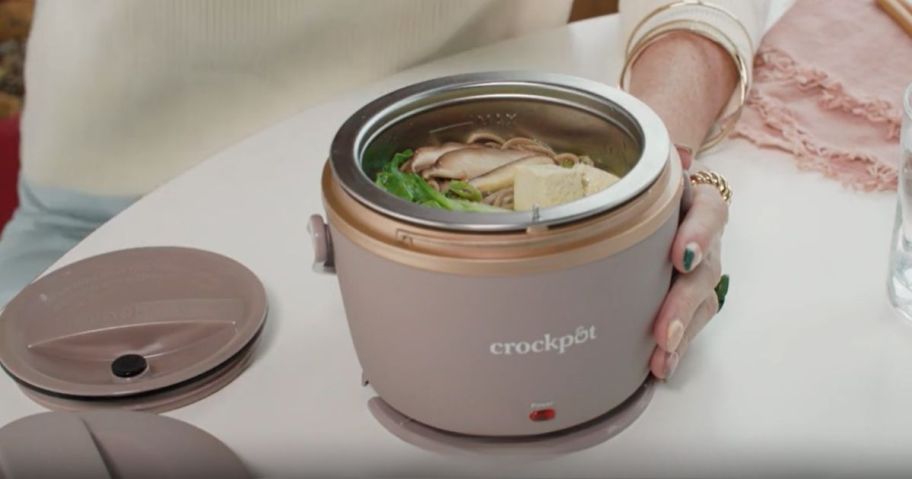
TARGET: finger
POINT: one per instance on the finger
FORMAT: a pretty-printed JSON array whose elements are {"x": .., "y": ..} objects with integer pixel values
[
  {"x": 685, "y": 156},
  {"x": 683, "y": 299},
  {"x": 663, "y": 364},
  {"x": 713, "y": 258},
  {"x": 659, "y": 363},
  {"x": 702, "y": 316},
  {"x": 702, "y": 225}
]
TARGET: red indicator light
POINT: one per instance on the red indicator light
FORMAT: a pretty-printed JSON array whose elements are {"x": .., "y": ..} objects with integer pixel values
[{"x": 542, "y": 415}]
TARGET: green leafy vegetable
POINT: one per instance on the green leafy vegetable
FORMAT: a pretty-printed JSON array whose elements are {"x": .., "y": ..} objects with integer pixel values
[
  {"x": 429, "y": 194},
  {"x": 431, "y": 204},
  {"x": 397, "y": 182},
  {"x": 411, "y": 187},
  {"x": 399, "y": 159},
  {"x": 463, "y": 190}
]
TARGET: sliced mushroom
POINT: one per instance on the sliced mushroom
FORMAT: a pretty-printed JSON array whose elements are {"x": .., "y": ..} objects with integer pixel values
[
  {"x": 471, "y": 162},
  {"x": 539, "y": 149},
  {"x": 527, "y": 144},
  {"x": 503, "y": 176},
  {"x": 517, "y": 141},
  {"x": 426, "y": 156},
  {"x": 484, "y": 137}
]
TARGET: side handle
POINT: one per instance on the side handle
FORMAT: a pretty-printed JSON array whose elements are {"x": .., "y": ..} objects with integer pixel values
[{"x": 324, "y": 260}]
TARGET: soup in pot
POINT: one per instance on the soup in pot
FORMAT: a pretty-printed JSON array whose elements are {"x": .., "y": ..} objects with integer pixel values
[{"x": 489, "y": 173}]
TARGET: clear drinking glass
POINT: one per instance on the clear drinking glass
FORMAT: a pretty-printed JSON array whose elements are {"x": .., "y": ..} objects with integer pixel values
[{"x": 900, "y": 282}]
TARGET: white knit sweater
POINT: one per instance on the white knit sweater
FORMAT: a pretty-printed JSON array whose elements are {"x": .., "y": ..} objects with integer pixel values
[{"x": 126, "y": 94}]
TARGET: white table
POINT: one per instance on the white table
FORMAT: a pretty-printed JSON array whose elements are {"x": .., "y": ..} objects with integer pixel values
[{"x": 805, "y": 371}]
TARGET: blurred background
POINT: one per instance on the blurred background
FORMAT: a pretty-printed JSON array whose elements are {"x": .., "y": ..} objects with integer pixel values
[
  {"x": 583, "y": 9},
  {"x": 15, "y": 20}
]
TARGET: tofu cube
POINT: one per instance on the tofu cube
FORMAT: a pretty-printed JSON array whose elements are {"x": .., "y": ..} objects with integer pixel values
[
  {"x": 595, "y": 179},
  {"x": 546, "y": 185}
]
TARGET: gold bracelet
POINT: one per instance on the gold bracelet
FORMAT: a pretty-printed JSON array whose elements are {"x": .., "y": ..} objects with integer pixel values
[
  {"x": 687, "y": 3},
  {"x": 714, "y": 179},
  {"x": 727, "y": 122}
]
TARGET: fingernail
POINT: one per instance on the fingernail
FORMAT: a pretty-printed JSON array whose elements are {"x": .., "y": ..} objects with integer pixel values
[
  {"x": 692, "y": 256},
  {"x": 671, "y": 364},
  {"x": 675, "y": 334},
  {"x": 722, "y": 291}
]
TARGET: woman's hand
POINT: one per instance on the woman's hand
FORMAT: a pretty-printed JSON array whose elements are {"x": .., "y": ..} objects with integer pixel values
[
  {"x": 691, "y": 302},
  {"x": 687, "y": 80}
]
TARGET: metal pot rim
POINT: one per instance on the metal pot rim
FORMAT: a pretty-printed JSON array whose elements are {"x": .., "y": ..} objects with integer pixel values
[{"x": 364, "y": 125}]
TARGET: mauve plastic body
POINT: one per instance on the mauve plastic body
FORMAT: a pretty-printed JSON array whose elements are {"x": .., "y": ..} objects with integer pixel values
[{"x": 477, "y": 355}]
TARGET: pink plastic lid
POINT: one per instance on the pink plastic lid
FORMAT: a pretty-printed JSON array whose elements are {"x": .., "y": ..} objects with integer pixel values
[
  {"x": 112, "y": 444},
  {"x": 123, "y": 328}
]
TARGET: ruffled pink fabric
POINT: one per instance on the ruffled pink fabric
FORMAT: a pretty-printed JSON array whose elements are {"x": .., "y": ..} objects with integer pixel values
[{"x": 828, "y": 83}]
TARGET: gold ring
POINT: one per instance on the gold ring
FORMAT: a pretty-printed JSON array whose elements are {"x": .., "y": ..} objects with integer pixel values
[{"x": 714, "y": 179}]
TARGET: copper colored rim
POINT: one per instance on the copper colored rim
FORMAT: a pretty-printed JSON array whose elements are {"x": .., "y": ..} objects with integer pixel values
[{"x": 509, "y": 253}]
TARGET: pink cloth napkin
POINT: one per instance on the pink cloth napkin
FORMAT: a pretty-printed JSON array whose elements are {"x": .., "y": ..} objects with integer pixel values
[{"x": 828, "y": 84}]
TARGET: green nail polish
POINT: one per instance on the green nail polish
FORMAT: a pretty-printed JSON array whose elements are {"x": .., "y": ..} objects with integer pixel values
[
  {"x": 688, "y": 258},
  {"x": 722, "y": 290}
]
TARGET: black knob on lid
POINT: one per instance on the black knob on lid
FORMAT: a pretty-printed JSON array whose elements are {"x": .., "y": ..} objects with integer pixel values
[{"x": 129, "y": 365}]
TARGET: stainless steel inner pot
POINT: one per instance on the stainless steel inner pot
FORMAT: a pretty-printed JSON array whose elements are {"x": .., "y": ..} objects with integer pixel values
[{"x": 620, "y": 133}]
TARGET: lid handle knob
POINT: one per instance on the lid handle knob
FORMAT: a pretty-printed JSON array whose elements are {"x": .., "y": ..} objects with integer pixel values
[{"x": 129, "y": 366}]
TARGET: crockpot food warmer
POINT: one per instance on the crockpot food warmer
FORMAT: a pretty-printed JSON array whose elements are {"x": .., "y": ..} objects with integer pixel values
[{"x": 511, "y": 324}]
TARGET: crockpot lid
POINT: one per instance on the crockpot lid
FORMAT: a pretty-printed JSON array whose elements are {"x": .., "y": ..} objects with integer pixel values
[
  {"x": 108, "y": 444},
  {"x": 127, "y": 324},
  {"x": 507, "y": 103}
]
